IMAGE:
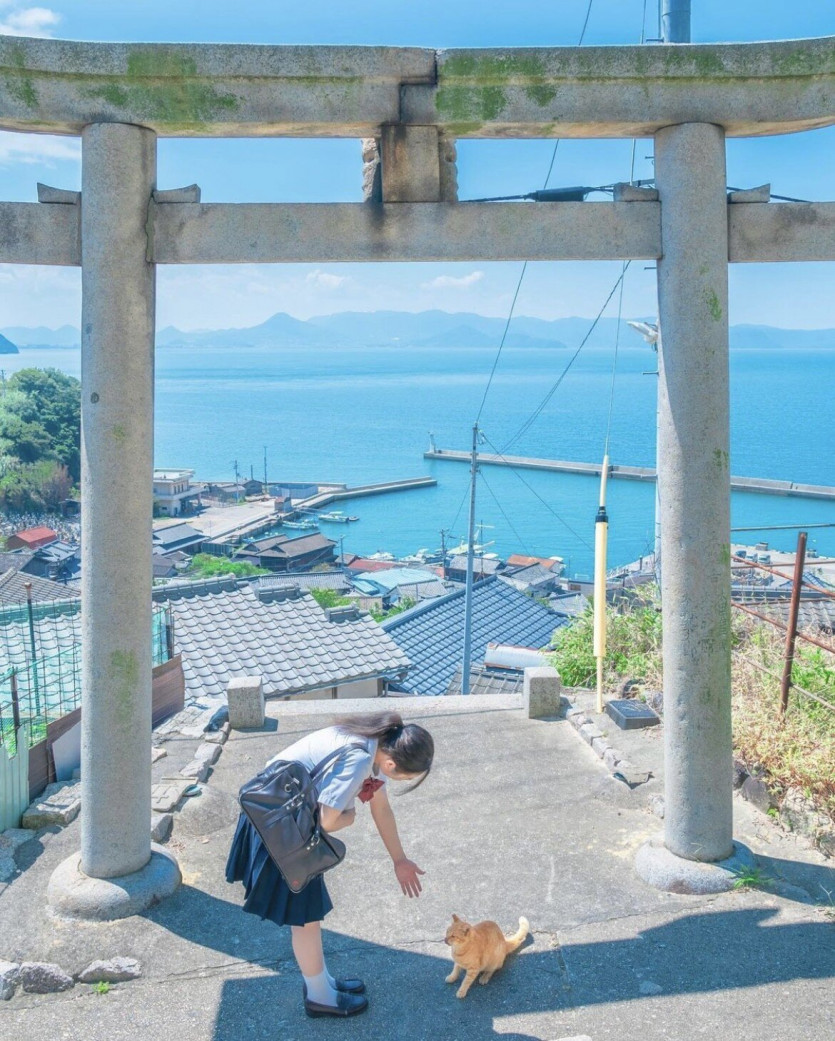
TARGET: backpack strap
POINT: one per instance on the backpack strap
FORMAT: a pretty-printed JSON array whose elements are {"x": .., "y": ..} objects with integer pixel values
[{"x": 319, "y": 768}]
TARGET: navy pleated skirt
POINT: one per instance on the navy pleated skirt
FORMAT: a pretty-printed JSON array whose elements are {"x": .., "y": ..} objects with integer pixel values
[{"x": 266, "y": 893}]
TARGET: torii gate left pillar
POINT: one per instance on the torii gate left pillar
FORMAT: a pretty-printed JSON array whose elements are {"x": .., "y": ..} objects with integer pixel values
[{"x": 117, "y": 872}]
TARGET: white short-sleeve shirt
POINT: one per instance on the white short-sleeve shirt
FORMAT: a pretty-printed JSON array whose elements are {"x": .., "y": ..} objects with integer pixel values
[{"x": 343, "y": 777}]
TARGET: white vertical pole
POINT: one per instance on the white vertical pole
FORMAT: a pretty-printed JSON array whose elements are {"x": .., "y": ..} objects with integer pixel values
[{"x": 468, "y": 594}]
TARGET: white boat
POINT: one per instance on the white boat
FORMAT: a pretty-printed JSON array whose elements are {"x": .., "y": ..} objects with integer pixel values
[
  {"x": 336, "y": 517},
  {"x": 301, "y": 525},
  {"x": 380, "y": 555}
]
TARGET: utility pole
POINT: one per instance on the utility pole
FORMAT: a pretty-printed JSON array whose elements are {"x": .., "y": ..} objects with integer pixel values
[
  {"x": 674, "y": 19},
  {"x": 237, "y": 479},
  {"x": 468, "y": 595},
  {"x": 443, "y": 553}
]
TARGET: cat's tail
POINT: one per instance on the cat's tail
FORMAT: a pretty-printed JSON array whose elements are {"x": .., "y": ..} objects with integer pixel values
[{"x": 518, "y": 937}]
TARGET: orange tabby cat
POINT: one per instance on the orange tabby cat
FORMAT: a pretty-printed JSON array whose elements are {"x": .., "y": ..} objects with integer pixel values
[{"x": 480, "y": 949}]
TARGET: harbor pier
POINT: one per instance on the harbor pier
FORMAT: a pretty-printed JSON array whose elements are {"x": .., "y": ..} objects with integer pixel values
[{"x": 762, "y": 485}]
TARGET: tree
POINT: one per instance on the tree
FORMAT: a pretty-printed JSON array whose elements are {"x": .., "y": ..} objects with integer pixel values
[{"x": 45, "y": 400}]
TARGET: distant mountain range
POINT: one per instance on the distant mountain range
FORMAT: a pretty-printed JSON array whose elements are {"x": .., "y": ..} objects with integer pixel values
[{"x": 421, "y": 329}]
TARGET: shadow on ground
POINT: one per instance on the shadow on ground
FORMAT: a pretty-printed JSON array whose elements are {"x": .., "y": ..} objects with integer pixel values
[{"x": 695, "y": 954}]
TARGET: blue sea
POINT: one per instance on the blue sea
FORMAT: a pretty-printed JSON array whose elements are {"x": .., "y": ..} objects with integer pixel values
[{"x": 364, "y": 415}]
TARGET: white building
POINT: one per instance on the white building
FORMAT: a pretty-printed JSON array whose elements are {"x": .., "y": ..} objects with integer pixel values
[{"x": 171, "y": 489}]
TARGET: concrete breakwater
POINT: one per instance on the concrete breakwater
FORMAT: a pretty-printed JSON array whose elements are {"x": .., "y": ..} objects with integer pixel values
[{"x": 761, "y": 485}]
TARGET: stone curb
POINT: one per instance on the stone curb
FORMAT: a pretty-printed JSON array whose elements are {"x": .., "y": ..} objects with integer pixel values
[{"x": 615, "y": 762}]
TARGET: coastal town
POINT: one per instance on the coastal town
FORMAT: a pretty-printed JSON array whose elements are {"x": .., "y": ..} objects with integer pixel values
[{"x": 339, "y": 231}]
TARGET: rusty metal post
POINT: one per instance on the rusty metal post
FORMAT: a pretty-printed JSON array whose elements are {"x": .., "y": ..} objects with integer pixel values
[{"x": 791, "y": 631}]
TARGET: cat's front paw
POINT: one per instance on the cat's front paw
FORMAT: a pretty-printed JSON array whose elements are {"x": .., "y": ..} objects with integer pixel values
[{"x": 453, "y": 976}]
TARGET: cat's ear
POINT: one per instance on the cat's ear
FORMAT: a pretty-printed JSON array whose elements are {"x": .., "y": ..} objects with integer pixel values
[{"x": 455, "y": 918}]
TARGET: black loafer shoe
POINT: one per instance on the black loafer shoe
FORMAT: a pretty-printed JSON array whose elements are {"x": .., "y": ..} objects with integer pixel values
[
  {"x": 346, "y": 1005},
  {"x": 350, "y": 986}
]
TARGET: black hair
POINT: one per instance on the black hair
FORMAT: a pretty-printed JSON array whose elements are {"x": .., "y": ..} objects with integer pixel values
[{"x": 409, "y": 745}]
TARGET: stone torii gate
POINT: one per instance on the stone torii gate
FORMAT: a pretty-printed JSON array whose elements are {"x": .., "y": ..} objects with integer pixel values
[{"x": 409, "y": 106}]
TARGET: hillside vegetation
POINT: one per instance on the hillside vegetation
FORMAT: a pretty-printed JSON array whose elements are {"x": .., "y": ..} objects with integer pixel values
[
  {"x": 40, "y": 439},
  {"x": 795, "y": 752}
]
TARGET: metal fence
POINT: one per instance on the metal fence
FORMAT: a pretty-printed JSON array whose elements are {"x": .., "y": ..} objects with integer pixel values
[{"x": 40, "y": 665}]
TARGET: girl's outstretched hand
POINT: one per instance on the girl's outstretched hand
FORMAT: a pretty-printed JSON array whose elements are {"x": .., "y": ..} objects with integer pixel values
[{"x": 407, "y": 873}]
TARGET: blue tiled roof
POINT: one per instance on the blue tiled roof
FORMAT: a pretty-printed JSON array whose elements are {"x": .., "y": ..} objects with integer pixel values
[{"x": 432, "y": 634}]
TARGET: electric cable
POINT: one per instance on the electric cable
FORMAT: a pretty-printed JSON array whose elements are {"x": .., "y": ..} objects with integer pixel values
[
  {"x": 538, "y": 410},
  {"x": 519, "y": 538},
  {"x": 536, "y": 494}
]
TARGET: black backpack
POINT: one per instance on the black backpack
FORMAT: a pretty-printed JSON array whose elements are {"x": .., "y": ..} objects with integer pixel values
[{"x": 282, "y": 805}]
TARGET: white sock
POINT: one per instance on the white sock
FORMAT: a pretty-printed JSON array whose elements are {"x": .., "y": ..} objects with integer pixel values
[
  {"x": 320, "y": 989},
  {"x": 330, "y": 978}
]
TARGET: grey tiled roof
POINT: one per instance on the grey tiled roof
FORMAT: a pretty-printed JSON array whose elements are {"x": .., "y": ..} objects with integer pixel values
[
  {"x": 811, "y": 615},
  {"x": 489, "y": 681},
  {"x": 13, "y": 591},
  {"x": 481, "y": 565},
  {"x": 225, "y": 628},
  {"x": 337, "y": 580},
  {"x": 432, "y": 634}
]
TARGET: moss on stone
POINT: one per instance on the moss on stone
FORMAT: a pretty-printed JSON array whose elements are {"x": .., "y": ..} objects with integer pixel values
[
  {"x": 124, "y": 684},
  {"x": 713, "y": 305},
  {"x": 164, "y": 86},
  {"x": 18, "y": 80}
]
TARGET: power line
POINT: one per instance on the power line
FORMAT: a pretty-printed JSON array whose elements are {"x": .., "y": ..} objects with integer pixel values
[
  {"x": 508, "y": 521},
  {"x": 535, "y": 493},
  {"x": 538, "y": 410}
]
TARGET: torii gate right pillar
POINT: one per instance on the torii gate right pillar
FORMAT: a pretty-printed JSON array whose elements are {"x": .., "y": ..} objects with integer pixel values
[{"x": 694, "y": 493}]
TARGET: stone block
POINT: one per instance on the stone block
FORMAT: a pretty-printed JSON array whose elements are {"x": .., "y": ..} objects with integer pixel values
[
  {"x": 9, "y": 977},
  {"x": 157, "y": 753},
  {"x": 114, "y": 970},
  {"x": 166, "y": 794},
  {"x": 611, "y": 757},
  {"x": 8, "y": 867},
  {"x": 59, "y": 803},
  {"x": 624, "y": 192},
  {"x": 12, "y": 838},
  {"x": 600, "y": 746},
  {"x": 39, "y": 977},
  {"x": 217, "y": 737},
  {"x": 588, "y": 732},
  {"x": 208, "y": 752},
  {"x": 541, "y": 692},
  {"x": 245, "y": 695},
  {"x": 196, "y": 770},
  {"x": 755, "y": 790},
  {"x": 161, "y": 826}
]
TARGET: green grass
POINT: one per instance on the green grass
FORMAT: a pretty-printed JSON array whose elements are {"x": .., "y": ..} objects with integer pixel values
[{"x": 751, "y": 878}]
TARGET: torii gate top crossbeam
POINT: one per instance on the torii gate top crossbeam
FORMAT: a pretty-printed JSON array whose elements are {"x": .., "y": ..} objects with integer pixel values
[{"x": 241, "y": 90}]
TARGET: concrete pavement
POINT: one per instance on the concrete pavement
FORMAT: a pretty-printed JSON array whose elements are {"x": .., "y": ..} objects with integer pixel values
[{"x": 519, "y": 817}]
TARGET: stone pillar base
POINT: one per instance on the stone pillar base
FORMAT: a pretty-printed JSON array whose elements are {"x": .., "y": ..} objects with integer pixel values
[
  {"x": 72, "y": 894},
  {"x": 664, "y": 870}
]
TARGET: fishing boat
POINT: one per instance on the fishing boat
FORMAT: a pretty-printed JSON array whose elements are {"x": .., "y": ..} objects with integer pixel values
[
  {"x": 301, "y": 525},
  {"x": 336, "y": 517}
]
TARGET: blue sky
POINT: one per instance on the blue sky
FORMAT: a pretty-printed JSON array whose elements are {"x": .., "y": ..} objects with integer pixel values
[{"x": 799, "y": 165}]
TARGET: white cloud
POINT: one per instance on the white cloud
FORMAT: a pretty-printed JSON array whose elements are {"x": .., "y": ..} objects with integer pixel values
[
  {"x": 38, "y": 148},
  {"x": 450, "y": 282},
  {"x": 29, "y": 21},
  {"x": 325, "y": 280}
]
